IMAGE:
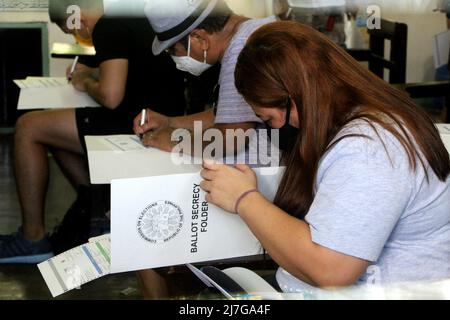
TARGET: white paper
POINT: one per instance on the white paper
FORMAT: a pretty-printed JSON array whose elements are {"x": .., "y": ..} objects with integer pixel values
[
  {"x": 77, "y": 266},
  {"x": 40, "y": 82},
  {"x": 444, "y": 130},
  {"x": 125, "y": 143},
  {"x": 51, "y": 93},
  {"x": 441, "y": 49},
  {"x": 122, "y": 157},
  {"x": 165, "y": 221}
]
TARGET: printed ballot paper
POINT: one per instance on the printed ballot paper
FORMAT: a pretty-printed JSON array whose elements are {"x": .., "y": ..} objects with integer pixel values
[
  {"x": 77, "y": 266},
  {"x": 124, "y": 156},
  {"x": 51, "y": 93},
  {"x": 165, "y": 221}
]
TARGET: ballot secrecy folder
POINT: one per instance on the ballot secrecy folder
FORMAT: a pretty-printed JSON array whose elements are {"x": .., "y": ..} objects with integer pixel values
[
  {"x": 164, "y": 221},
  {"x": 51, "y": 93}
]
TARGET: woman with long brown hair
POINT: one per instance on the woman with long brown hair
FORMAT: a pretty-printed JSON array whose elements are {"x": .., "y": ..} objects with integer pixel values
[{"x": 366, "y": 194}]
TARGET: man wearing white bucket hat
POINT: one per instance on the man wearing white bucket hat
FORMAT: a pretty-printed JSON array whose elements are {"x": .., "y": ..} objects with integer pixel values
[{"x": 199, "y": 34}]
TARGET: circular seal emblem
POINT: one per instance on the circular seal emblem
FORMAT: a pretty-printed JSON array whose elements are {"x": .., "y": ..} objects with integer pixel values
[{"x": 160, "y": 222}]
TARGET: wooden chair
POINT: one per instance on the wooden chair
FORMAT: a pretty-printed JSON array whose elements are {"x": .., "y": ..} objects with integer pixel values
[{"x": 397, "y": 33}]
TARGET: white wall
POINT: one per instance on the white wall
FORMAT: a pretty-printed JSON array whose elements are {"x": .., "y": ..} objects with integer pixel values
[
  {"x": 422, "y": 23},
  {"x": 421, "y": 31},
  {"x": 251, "y": 8},
  {"x": 422, "y": 28}
]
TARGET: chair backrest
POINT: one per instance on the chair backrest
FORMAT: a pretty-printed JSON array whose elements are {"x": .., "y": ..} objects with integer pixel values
[{"x": 397, "y": 33}]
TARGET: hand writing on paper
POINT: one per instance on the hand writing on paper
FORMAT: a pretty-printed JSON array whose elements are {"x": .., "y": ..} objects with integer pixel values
[
  {"x": 79, "y": 79},
  {"x": 161, "y": 139},
  {"x": 225, "y": 184},
  {"x": 154, "y": 122},
  {"x": 78, "y": 67}
]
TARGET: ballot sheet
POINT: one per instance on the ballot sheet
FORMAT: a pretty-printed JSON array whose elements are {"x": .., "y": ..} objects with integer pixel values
[
  {"x": 51, "y": 93},
  {"x": 77, "y": 266},
  {"x": 40, "y": 82},
  {"x": 124, "y": 156},
  {"x": 165, "y": 221}
]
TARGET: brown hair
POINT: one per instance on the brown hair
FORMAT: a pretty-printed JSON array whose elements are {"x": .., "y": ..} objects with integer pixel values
[{"x": 331, "y": 89}]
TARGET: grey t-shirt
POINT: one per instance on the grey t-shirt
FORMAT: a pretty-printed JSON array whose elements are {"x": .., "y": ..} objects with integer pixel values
[
  {"x": 231, "y": 107},
  {"x": 375, "y": 207}
]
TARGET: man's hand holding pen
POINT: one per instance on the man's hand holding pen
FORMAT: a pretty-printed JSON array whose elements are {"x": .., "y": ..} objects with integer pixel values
[
  {"x": 150, "y": 121},
  {"x": 154, "y": 130}
]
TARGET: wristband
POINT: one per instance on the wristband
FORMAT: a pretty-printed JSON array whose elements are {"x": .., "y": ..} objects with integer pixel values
[{"x": 236, "y": 207}]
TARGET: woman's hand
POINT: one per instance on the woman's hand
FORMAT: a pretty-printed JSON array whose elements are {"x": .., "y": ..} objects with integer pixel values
[{"x": 225, "y": 184}]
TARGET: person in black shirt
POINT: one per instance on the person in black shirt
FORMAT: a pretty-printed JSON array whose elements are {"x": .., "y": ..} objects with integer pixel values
[{"x": 128, "y": 79}]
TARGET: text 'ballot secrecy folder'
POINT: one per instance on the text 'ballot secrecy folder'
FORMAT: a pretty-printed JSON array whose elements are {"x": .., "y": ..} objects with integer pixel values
[
  {"x": 51, "y": 93},
  {"x": 165, "y": 221}
]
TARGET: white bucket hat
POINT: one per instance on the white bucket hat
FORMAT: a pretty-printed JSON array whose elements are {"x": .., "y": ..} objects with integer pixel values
[{"x": 172, "y": 20}]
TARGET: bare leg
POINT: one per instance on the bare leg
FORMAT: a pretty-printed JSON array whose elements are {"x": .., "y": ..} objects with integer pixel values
[
  {"x": 153, "y": 285},
  {"x": 73, "y": 166},
  {"x": 35, "y": 132}
]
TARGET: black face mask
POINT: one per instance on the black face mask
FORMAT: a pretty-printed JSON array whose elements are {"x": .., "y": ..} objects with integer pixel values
[{"x": 288, "y": 133}]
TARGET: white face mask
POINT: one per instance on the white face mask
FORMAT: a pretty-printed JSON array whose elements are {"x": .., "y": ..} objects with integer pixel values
[{"x": 191, "y": 65}]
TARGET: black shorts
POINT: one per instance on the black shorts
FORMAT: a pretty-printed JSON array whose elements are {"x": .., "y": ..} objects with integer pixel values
[{"x": 101, "y": 122}]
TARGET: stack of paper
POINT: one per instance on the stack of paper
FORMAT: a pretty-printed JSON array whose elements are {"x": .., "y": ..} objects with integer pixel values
[
  {"x": 51, "y": 93},
  {"x": 40, "y": 82}
]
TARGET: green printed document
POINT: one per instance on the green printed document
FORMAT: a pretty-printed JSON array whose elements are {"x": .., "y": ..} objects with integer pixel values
[{"x": 77, "y": 266}]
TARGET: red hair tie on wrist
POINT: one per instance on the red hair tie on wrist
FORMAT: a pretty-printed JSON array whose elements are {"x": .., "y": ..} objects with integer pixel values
[{"x": 236, "y": 207}]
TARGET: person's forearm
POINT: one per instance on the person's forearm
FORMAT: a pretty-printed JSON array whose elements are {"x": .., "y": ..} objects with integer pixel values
[
  {"x": 104, "y": 98},
  {"x": 187, "y": 122},
  {"x": 93, "y": 89},
  {"x": 286, "y": 239}
]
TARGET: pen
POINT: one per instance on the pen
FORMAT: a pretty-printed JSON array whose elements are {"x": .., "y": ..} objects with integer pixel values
[
  {"x": 144, "y": 113},
  {"x": 74, "y": 65}
]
